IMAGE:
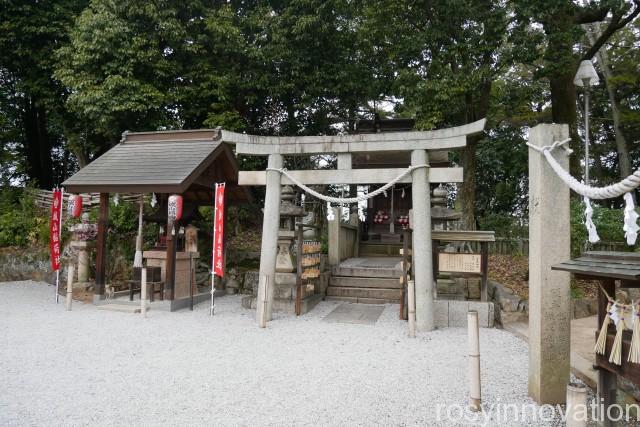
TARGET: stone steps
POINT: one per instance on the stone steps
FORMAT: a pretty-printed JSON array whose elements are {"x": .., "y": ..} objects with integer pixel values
[
  {"x": 353, "y": 292},
  {"x": 362, "y": 300},
  {"x": 365, "y": 282},
  {"x": 122, "y": 308}
]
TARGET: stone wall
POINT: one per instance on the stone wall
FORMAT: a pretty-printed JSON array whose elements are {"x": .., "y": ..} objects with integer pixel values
[
  {"x": 25, "y": 264},
  {"x": 510, "y": 307}
]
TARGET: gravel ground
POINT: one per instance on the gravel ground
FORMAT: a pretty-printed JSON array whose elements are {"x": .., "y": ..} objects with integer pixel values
[{"x": 93, "y": 367}]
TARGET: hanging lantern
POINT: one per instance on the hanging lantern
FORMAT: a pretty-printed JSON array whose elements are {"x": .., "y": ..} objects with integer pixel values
[
  {"x": 154, "y": 200},
  {"x": 175, "y": 207},
  {"x": 116, "y": 199},
  {"x": 74, "y": 205}
]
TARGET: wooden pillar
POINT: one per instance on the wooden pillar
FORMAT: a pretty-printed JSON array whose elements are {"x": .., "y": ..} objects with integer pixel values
[
  {"x": 170, "y": 268},
  {"x": 101, "y": 246},
  {"x": 422, "y": 251},
  {"x": 607, "y": 381},
  {"x": 549, "y": 294},
  {"x": 484, "y": 256},
  {"x": 269, "y": 246}
]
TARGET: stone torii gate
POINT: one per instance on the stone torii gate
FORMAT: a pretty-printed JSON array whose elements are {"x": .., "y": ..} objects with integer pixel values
[{"x": 420, "y": 144}]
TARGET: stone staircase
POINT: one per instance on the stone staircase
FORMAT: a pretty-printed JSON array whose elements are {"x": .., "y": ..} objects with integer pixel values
[{"x": 367, "y": 280}]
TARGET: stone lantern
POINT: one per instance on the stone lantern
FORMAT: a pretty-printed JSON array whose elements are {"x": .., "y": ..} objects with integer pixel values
[
  {"x": 441, "y": 215},
  {"x": 84, "y": 235},
  {"x": 286, "y": 234}
]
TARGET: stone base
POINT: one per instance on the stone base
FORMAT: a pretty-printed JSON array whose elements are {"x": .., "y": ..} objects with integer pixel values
[
  {"x": 454, "y": 313},
  {"x": 286, "y": 305}
]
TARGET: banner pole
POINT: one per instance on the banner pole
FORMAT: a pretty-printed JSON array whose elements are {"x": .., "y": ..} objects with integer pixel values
[
  {"x": 213, "y": 252},
  {"x": 59, "y": 242}
]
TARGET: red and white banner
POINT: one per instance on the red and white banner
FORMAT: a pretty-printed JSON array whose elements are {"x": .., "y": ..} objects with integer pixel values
[
  {"x": 218, "y": 232},
  {"x": 54, "y": 229}
]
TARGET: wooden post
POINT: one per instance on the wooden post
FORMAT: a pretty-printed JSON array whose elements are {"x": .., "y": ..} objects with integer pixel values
[
  {"x": 411, "y": 302},
  {"x": 484, "y": 268},
  {"x": 69, "y": 286},
  {"x": 143, "y": 291},
  {"x": 170, "y": 268},
  {"x": 405, "y": 267},
  {"x": 475, "y": 399},
  {"x": 299, "y": 271},
  {"x": 101, "y": 245},
  {"x": 577, "y": 404},
  {"x": 607, "y": 381}
]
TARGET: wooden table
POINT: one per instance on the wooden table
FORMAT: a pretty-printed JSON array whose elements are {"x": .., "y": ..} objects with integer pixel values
[{"x": 607, "y": 268}]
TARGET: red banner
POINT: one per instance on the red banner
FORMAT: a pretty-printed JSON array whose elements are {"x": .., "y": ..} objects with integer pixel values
[
  {"x": 218, "y": 232},
  {"x": 54, "y": 229}
]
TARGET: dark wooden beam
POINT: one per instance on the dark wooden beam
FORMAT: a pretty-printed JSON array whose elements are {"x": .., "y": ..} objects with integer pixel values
[{"x": 103, "y": 225}]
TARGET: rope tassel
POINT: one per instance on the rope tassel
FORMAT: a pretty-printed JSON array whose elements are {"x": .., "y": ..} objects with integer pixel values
[
  {"x": 630, "y": 220},
  {"x": 588, "y": 221},
  {"x": 616, "y": 349},
  {"x": 601, "y": 343},
  {"x": 634, "y": 353}
]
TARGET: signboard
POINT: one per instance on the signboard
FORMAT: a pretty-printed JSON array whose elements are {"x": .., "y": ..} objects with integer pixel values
[
  {"x": 54, "y": 229},
  {"x": 459, "y": 263},
  {"x": 218, "y": 231}
]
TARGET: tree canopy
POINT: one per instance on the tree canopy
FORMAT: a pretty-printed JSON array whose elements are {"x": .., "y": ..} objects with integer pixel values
[{"x": 75, "y": 74}]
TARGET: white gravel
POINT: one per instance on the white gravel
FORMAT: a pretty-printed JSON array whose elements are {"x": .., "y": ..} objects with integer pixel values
[{"x": 93, "y": 367}]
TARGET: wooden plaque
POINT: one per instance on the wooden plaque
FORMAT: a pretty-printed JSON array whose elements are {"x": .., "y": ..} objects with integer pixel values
[{"x": 459, "y": 263}]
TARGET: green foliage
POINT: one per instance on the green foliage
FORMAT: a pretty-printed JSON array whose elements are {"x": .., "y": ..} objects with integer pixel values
[
  {"x": 608, "y": 221},
  {"x": 21, "y": 223}
]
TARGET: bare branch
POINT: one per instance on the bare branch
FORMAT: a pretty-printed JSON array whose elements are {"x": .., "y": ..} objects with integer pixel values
[{"x": 617, "y": 22}]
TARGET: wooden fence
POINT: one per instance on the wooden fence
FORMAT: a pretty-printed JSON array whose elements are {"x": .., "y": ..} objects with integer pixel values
[
  {"x": 44, "y": 198},
  {"x": 506, "y": 246}
]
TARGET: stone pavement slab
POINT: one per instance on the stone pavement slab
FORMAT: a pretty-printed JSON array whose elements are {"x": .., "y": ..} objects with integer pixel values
[{"x": 362, "y": 314}]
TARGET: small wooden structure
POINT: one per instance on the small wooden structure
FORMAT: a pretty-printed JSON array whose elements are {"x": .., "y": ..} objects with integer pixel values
[
  {"x": 608, "y": 268},
  {"x": 183, "y": 162},
  {"x": 463, "y": 264}
]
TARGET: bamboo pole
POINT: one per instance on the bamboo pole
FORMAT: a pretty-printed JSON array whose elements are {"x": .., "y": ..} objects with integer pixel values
[
  {"x": 576, "y": 404},
  {"x": 475, "y": 400},
  {"x": 143, "y": 291},
  {"x": 411, "y": 302},
  {"x": 262, "y": 308},
  {"x": 69, "y": 286}
]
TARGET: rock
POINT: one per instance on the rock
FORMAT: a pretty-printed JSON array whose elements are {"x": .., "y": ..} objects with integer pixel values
[
  {"x": 250, "y": 284},
  {"x": 232, "y": 282},
  {"x": 583, "y": 307}
]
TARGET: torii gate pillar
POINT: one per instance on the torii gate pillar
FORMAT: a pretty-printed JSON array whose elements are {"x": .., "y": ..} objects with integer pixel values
[
  {"x": 269, "y": 247},
  {"x": 423, "y": 264},
  {"x": 549, "y": 296}
]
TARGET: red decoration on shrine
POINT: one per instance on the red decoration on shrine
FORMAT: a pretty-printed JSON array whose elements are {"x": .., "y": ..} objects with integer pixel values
[
  {"x": 54, "y": 229},
  {"x": 218, "y": 231},
  {"x": 174, "y": 207},
  {"x": 74, "y": 206}
]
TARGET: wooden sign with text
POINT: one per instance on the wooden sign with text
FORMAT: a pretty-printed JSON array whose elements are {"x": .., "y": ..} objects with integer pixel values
[{"x": 459, "y": 263}]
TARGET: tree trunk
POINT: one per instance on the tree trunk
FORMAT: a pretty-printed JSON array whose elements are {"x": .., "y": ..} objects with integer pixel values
[
  {"x": 468, "y": 187},
  {"x": 476, "y": 109},
  {"x": 37, "y": 144}
]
